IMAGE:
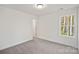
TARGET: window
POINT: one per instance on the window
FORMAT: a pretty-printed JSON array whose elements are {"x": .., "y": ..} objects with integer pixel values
[{"x": 67, "y": 25}]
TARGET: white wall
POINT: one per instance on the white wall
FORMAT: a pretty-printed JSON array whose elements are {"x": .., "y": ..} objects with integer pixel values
[
  {"x": 48, "y": 27},
  {"x": 78, "y": 28},
  {"x": 15, "y": 27}
]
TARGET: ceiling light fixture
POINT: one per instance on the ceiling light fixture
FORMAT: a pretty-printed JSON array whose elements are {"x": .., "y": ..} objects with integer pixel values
[{"x": 39, "y": 6}]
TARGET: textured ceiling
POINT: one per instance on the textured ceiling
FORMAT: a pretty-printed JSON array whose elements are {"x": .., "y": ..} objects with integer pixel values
[{"x": 28, "y": 8}]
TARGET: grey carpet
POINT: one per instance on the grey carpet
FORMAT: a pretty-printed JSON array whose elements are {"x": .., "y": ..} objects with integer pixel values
[{"x": 39, "y": 46}]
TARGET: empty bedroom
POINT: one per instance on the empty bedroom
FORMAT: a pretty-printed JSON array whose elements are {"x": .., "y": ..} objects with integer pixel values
[{"x": 39, "y": 28}]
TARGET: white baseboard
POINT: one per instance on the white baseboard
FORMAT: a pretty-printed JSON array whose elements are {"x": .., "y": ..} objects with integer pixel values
[
  {"x": 44, "y": 38},
  {"x": 20, "y": 42}
]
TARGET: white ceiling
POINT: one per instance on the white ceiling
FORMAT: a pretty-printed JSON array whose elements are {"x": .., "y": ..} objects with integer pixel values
[{"x": 28, "y": 8}]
